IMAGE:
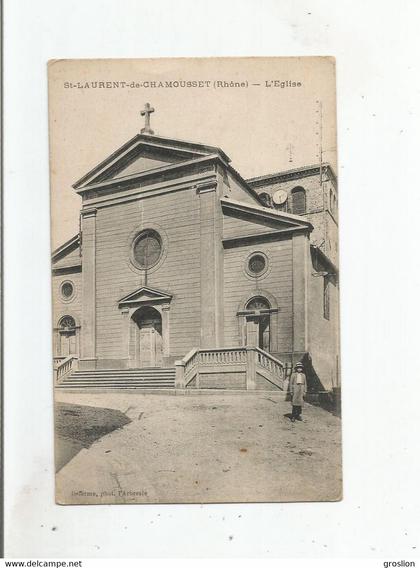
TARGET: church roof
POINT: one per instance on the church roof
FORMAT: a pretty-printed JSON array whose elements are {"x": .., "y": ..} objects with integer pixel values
[
  {"x": 178, "y": 150},
  {"x": 66, "y": 248},
  {"x": 67, "y": 256},
  {"x": 295, "y": 173},
  {"x": 267, "y": 212},
  {"x": 147, "y": 156}
]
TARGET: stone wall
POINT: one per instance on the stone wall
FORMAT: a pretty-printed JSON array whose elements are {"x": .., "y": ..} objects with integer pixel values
[
  {"x": 176, "y": 217},
  {"x": 323, "y": 333},
  {"x": 62, "y": 306},
  {"x": 277, "y": 282},
  {"x": 321, "y": 206}
]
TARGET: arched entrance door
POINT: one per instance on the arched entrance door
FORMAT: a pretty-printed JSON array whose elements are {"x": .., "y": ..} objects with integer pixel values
[
  {"x": 258, "y": 323},
  {"x": 148, "y": 337},
  {"x": 67, "y": 338}
]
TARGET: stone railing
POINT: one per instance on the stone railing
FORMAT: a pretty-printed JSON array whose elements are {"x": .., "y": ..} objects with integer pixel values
[
  {"x": 273, "y": 366},
  {"x": 248, "y": 361},
  {"x": 57, "y": 360},
  {"x": 186, "y": 369},
  {"x": 65, "y": 367}
]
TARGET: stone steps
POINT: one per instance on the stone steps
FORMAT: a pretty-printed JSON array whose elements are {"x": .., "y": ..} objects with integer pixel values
[{"x": 148, "y": 378}]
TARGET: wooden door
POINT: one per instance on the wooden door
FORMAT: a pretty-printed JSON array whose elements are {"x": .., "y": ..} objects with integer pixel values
[
  {"x": 150, "y": 347},
  {"x": 72, "y": 344},
  {"x": 265, "y": 333},
  {"x": 68, "y": 344},
  {"x": 252, "y": 332},
  {"x": 65, "y": 346},
  {"x": 258, "y": 332},
  {"x": 146, "y": 347},
  {"x": 158, "y": 344}
]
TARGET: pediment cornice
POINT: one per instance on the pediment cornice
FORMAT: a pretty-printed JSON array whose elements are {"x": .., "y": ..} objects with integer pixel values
[
  {"x": 256, "y": 212},
  {"x": 177, "y": 151},
  {"x": 145, "y": 296}
]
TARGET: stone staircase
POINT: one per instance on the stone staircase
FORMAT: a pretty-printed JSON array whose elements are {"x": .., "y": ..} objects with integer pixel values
[{"x": 146, "y": 378}]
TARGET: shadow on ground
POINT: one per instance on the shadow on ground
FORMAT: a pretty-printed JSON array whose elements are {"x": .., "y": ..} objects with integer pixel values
[
  {"x": 77, "y": 427},
  {"x": 325, "y": 400},
  {"x": 329, "y": 402}
]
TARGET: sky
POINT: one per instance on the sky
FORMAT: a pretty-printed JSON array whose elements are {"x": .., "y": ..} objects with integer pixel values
[{"x": 255, "y": 123}]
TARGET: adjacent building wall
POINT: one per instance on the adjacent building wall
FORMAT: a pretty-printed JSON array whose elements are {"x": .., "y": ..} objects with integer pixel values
[
  {"x": 322, "y": 212},
  {"x": 321, "y": 205},
  {"x": 323, "y": 337}
]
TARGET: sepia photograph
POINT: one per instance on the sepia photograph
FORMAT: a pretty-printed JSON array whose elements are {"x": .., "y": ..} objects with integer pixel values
[
  {"x": 195, "y": 280},
  {"x": 207, "y": 354}
]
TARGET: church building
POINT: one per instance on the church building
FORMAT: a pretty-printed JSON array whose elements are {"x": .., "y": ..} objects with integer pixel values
[{"x": 186, "y": 275}]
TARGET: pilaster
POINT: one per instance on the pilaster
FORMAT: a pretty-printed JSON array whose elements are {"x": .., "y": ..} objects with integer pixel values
[
  {"x": 125, "y": 314},
  {"x": 211, "y": 272},
  {"x": 300, "y": 247},
  {"x": 88, "y": 328},
  {"x": 251, "y": 369},
  {"x": 165, "y": 331},
  {"x": 179, "y": 375}
]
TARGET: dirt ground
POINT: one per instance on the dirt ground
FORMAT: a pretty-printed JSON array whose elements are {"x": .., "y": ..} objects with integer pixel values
[{"x": 196, "y": 449}]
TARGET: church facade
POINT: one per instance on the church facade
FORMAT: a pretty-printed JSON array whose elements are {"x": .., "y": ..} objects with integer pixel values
[{"x": 177, "y": 252}]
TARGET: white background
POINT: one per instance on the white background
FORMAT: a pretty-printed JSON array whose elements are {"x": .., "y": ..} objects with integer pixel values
[{"x": 377, "y": 50}]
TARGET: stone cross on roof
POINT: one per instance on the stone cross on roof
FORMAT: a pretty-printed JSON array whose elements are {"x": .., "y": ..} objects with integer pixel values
[{"x": 146, "y": 112}]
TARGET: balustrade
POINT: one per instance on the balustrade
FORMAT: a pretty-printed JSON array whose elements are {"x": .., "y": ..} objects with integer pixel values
[
  {"x": 66, "y": 366},
  {"x": 226, "y": 360}
]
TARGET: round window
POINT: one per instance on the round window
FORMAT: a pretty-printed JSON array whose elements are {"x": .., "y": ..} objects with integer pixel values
[
  {"x": 256, "y": 264},
  {"x": 67, "y": 290},
  {"x": 147, "y": 249}
]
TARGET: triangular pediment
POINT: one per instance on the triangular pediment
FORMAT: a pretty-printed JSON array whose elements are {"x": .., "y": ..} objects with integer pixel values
[
  {"x": 243, "y": 219},
  {"x": 67, "y": 255},
  {"x": 145, "y": 295},
  {"x": 145, "y": 153}
]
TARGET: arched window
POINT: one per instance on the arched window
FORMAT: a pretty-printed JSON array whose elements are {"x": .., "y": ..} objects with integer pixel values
[
  {"x": 258, "y": 303},
  {"x": 265, "y": 199},
  {"x": 298, "y": 201},
  {"x": 67, "y": 322}
]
